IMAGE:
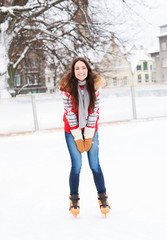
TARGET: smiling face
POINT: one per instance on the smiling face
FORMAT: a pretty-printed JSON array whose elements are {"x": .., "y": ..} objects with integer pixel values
[{"x": 80, "y": 71}]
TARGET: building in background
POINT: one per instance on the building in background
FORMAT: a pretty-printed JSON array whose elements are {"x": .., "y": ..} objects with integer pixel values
[
  {"x": 120, "y": 66},
  {"x": 141, "y": 66},
  {"x": 30, "y": 75},
  {"x": 123, "y": 67},
  {"x": 49, "y": 80},
  {"x": 159, "y": 56},
  {"x": 114, "y": 67}
]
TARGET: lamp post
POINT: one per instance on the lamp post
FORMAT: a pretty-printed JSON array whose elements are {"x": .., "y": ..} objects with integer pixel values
[{"x": 133, "y": 98}]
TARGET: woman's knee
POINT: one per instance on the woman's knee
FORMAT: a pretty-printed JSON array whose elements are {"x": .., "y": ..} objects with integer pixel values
[
  {"x": 95, "y": 168},
  {"x": 76, "y": 169}
]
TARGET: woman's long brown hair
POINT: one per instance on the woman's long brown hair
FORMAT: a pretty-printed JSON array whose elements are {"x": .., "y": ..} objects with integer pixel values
[{"x": 72, "y": 83}]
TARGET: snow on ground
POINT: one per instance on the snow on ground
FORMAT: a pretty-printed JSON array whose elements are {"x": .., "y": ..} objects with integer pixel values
[{"x": 34, "y": 191}]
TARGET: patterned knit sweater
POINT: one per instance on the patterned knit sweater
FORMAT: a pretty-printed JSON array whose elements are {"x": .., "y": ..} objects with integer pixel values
[{"x": 70, "y": 117}]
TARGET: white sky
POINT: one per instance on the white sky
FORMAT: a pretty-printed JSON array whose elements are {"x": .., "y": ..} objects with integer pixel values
[
  {"x": 146, "y": 22},
  {"x": 156, "y": 17}
]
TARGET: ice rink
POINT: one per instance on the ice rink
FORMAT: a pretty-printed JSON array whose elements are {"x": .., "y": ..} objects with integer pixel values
[{"x": 34, "y": 189}]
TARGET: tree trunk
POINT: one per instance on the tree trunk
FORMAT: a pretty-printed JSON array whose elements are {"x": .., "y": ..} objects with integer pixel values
[{"x": 4, "y": 60}]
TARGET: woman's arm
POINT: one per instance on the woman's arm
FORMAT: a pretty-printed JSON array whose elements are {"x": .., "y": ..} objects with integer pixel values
[
  {"x": 73, "y": 122},
  {"x": 68, "y": 111}
]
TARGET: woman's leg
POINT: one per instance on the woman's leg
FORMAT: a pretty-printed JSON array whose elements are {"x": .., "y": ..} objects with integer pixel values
[
  {"x": 93, "y": 157},
  {"x": 76, "y": 163}
]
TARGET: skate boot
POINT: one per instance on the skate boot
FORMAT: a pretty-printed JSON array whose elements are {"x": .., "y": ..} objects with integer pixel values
[
  {"x": 74, "y": 204},
  {"x": 103, "y": 203}
]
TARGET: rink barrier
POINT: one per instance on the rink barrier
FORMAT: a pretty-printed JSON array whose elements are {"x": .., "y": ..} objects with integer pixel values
[{"x": 35, "y": 116}]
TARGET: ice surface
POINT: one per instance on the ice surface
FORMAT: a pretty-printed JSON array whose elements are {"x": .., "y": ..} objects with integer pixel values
[{"x": 34, "y": 191}]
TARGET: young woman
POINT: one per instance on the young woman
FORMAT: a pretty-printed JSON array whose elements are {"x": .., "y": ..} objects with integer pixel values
[{"x": 81, "y": 96}]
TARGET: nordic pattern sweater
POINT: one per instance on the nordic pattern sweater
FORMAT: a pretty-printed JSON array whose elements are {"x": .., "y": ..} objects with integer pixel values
[{"x": 70, "y": 117}]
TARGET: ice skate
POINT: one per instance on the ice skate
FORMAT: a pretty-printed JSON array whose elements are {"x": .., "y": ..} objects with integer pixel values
[
  {"x": 103, "y": 203},
  {"x": 74, "y": 204}
]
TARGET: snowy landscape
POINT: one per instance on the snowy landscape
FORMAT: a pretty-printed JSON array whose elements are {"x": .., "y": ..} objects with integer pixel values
[
  {"x": 34, "y": 191},
  {"x": 35, "y": 163}
]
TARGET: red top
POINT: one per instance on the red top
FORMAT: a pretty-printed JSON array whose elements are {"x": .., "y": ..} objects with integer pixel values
[{"x": 70, "y": 117}]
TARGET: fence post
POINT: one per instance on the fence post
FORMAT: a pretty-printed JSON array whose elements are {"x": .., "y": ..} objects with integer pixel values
[
  {"x": 36, "y": 125},
  {"x": 133, "y": 98}
]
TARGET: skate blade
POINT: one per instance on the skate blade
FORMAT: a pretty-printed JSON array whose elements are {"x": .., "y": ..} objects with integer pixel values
[
  {"x": 105, "y": 210},
  {"x": 75, "y": 212}
]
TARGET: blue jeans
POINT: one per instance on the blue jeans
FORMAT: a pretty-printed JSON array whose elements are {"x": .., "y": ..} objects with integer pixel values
[{"x": 76, "y": 164}]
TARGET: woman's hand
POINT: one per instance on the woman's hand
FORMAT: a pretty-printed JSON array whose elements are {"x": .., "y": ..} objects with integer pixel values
[
  {"x": 80, "y": 145},
  {"x": 88, "y": 136},
  {"x": 88, "y": 144},
  {"x": 78, "y": 139}
]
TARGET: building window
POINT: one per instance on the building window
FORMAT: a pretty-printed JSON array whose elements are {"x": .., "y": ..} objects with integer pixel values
[
  {"x": 138, "y": 67},
  {"x": 151, "y": 67},
  {"x": 115, "y": 81},
  {"x": 153, "y": 80},
  {"x": 146, "y": 78},
  {"x": 28, "y": 80},
  {"x": 163, "y": 29},
  {"x": 164, "y": 62},
  {"x": 145, "y": 66},
  {"x": 35, "y": 79},
  {"x": 17, "y": 80},
  {"x": 139, "y": 78},
  {"x": 163, "y": 46},
  {"x": 125, "y": 80}
]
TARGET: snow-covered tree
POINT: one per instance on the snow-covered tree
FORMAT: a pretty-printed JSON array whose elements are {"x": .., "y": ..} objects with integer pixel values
[
  {"x": 64, "y": 29},
  {"x": 25, "y": 22}
]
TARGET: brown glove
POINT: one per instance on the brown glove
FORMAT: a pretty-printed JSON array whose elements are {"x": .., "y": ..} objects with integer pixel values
[
  {"x": 80, "y": 145},
  {"x": 88, "y": 144},
  {"x": 78, "y": 139},
  {"x": 88, "y": 135}
]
